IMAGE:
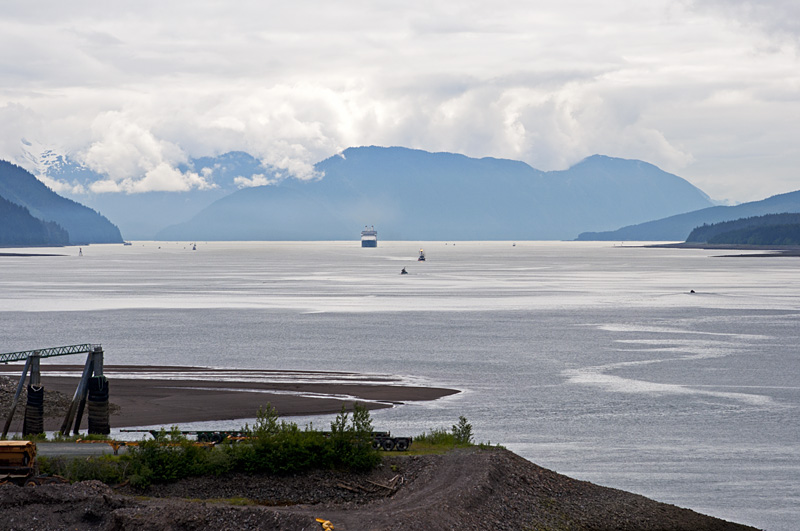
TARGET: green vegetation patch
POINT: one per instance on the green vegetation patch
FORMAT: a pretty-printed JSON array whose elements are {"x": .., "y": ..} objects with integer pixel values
[{"x": 271, "y": 446}]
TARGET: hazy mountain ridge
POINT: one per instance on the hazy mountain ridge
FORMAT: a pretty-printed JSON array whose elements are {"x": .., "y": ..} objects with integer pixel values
[
  {"x": 678, "y": 227},
  {"x": 82, "y": 224},
  {"x": 414, "y": 194}
]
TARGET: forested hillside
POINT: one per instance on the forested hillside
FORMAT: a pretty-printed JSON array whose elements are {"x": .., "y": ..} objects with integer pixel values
[
  {"x": 772, "y": 229},
  {"x": 82, "y": 224},
  {"x": 19, "y": 228}
]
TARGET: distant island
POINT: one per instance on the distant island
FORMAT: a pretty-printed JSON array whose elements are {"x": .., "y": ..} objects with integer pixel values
[{"x": 776, "y": 234}]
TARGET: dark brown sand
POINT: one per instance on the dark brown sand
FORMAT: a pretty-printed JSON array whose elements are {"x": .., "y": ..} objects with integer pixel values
[{"x": 191, "y": 394}]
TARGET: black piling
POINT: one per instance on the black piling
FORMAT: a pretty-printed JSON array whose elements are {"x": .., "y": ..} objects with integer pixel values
[
  {"x": 98, "y": 405},
  {"x": 34, "y": 411}
]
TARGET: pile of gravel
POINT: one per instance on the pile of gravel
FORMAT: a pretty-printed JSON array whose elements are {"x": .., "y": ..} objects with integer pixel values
[{"x": 466, "y": 490}]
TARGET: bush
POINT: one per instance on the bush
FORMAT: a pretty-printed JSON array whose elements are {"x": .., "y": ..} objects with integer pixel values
[{"x": 282, "y": 447}]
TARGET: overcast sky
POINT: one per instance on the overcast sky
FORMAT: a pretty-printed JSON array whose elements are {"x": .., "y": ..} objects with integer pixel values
[{"x": 706, "y": 89}]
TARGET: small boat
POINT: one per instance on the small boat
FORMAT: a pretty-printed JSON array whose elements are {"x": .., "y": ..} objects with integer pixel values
[
  {"x": 369, "y": 237},
  {"x": 421, "y": 256}
]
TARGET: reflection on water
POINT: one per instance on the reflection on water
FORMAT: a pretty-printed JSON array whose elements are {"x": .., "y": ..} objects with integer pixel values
[{"x": 586, "y": 358}]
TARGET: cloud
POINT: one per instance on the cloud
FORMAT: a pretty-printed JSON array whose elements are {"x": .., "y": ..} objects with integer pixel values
[
  {"x": 134, "y": 160},
  {"x": 258, "y": 179},
  {"x": 136, "y": 92},
  {"x": 777, "y": 19},
  {"x": 19, "y": 119}
]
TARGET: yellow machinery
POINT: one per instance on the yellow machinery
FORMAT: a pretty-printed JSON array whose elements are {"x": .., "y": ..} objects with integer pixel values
[
  {"x": 326, "y": 524},
  {"x": 17, "y": 461}
]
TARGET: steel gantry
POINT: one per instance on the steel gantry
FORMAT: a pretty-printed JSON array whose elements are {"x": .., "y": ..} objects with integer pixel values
[
  {"x": 93, "y": 367},
  {"x": 10, "y": 357}
]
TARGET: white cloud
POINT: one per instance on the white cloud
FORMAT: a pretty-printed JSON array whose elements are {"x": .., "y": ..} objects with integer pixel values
[
  {"x": 258, "y": 179},
  {"x": 62, "y": 187},
  {"x": 136, "y": 91},
  {"x": 134, "y": 159}
]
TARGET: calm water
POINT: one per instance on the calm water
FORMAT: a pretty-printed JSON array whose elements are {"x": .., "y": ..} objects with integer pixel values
[{"x": 586, "y": 358}]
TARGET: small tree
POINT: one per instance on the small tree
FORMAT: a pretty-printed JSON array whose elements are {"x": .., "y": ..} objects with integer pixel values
[
  {"x": 339, "y": 424},
  {"x": 352, "y": 441},
  {"x": 462, "y": 432},
  {"x": 362, "y": 422},
  {"x": 266, "y": 424},
  {"x": 359, "y": 426}
]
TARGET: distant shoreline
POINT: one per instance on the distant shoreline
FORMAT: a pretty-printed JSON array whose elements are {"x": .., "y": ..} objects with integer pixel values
[
  {"x": 29, "y": 254},
  {"x": 773, "y": 250}
]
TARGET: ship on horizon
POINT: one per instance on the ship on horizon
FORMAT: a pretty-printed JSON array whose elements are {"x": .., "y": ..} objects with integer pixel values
[{"x": 369, "y": 236}]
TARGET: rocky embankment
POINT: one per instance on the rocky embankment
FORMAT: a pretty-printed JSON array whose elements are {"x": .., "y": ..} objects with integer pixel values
[{"x": 466, "y": 490}]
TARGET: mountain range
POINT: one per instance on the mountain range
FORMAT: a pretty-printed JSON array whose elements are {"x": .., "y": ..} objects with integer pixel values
[
  {"x": 411, "y": 194},
  {"x": 32, "y": 214}
]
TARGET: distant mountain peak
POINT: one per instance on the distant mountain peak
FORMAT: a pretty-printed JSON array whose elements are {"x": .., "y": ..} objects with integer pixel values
[{"x": 604, "y": 161}]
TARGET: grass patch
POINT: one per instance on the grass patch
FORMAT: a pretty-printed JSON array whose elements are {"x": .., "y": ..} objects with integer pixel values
[{"x": 441, "y": 440}]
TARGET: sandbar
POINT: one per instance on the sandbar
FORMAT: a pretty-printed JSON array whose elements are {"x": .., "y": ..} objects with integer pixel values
[{"x": 167, "y": 396}]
